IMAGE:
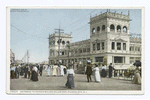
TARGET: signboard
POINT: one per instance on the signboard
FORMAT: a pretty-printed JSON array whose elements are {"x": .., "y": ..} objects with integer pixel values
[{"x": 105, "y": 60}]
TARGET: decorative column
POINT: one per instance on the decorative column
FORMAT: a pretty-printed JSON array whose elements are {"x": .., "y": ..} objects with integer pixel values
[
  {"x": 115, "y": 28},
  {"x": 112, "y": 59},
  {"x": 115, "y": 46},
  {"x": 121, "y": 29},
  {"x": 121, "y": 46},
  {"x": 100, "y": 45}
]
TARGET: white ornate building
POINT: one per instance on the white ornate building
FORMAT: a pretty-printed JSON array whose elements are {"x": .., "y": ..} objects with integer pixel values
[{"x": 110, "y": 42}]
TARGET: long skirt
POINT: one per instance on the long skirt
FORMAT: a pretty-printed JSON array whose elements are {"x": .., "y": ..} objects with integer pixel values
[
  {"x": 17, "y": 74},
  {"x": 48, "y": 72},
  {"x": 35, "y": 76},
  {"x": 97, "y": 76},
  {"x": 136, "y": 79},
  {"x": 12, "y": 74},
  {"x": 70, "y": 81},
  {"x": 58, "y": 71},
  {"x": 54, "y": 71},
  {"x": 31, "y": 75},
  {"x": 64, "y": 70},
  {"x": 28, "y": 74},
  {"x": 104, "y": 74}
]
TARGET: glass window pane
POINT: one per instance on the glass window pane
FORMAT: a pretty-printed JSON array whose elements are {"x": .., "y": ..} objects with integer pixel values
[
  {"x": 113, "y": 46},
  {"x": 98, "y": 46},
  {"x": 103, "y": 45},
  {"x": 118, "y": 59},
  {"x": 118, "y": 46},
  {"x": 99, "y": 59}
]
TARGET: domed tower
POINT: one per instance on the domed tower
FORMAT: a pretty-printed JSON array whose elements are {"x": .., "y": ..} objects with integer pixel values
[
  {"x": 54, "y": 45},
  {"x": 109, "y": 33}
]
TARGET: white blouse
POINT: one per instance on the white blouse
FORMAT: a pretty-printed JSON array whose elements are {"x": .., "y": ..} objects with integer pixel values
[
  {"x": 35, "y": 69},
  {"x": 70, "y": 71},
  {"x": 103, "y": 67}
]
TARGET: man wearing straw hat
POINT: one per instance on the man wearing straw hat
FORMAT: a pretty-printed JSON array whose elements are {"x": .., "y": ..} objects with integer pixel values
[{"x": 88, "y": 70}]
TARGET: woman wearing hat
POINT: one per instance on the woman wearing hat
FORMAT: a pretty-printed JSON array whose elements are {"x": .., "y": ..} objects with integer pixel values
[
  {"x": 96, "y": 74},
  {"x": 70, "y": 77},
  {"x": 55, "y": 69},
  {"x": 12, "y": 71},
  {"x": 34, "y": 76},
  {"x": 137, "y": 78},
  {"x": 103, "y": 71}
]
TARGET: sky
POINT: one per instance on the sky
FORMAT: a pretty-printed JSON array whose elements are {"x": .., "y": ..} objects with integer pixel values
[{"x": 29, "y": 30}]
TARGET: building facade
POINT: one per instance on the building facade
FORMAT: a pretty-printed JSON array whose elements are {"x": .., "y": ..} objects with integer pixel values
[
  {"x": 12, "y": 57},
  {"x": 110, "y": 42}
]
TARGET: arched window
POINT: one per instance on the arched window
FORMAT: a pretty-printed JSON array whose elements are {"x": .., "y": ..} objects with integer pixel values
[
  {"x": 98, "y": 29},
  {"x": 131, "y": 48},
  {"x": 103, "y": 27},
  {"x": 68, "y": 42},
  {"x": 112, "y": 27},
  {"x": 93, "y": 30},
  {"x": 118, "y": 28},
  {"x": 63, "y": 42},
  {"x": 124, "y": 29}
]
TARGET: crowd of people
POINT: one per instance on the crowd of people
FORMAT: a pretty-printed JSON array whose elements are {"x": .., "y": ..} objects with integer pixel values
[
  {"x": 30, "y": 71},
  {"x": 33, "y": 71},
  {"x": 93, "y": 69}
]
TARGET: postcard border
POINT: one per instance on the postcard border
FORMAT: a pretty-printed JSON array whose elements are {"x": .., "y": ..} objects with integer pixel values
[{"x": 82, "y": 92}]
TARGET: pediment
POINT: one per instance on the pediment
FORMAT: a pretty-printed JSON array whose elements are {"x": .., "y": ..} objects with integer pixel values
[
  {"x": 119, "y": 40},
  {"x": 97, "y": 40}
]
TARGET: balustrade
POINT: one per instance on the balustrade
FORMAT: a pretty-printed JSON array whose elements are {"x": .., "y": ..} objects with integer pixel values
[{"x": 118, "y": 73}]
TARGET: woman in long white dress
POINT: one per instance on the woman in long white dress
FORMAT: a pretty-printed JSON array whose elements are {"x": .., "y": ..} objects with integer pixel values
[
  {"x": 61, "y": 70},
  {"x": 96, "y": 74},
  {"x": 55, "y": 69},
  {"x": 48, "y": 69},
  {"x": 137, "y": 77}
]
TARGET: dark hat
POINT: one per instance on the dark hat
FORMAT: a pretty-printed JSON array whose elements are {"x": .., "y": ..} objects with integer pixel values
[{"x": 96, "y": 65}]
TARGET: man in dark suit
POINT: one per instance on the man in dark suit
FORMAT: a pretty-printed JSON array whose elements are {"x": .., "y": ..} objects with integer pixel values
[
  {"x": 26, "y": 71},
  {"x": 41, "y": 69},
  {"x": 17, "y": 72},
  {"x": 89, "y": 71},
  {"x": 110, "y": 70}
]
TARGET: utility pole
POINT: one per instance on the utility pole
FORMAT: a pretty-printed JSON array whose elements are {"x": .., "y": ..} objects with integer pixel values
[
  {"x": 27, "y": 57},
  {"x": 59, "y": 41}
]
